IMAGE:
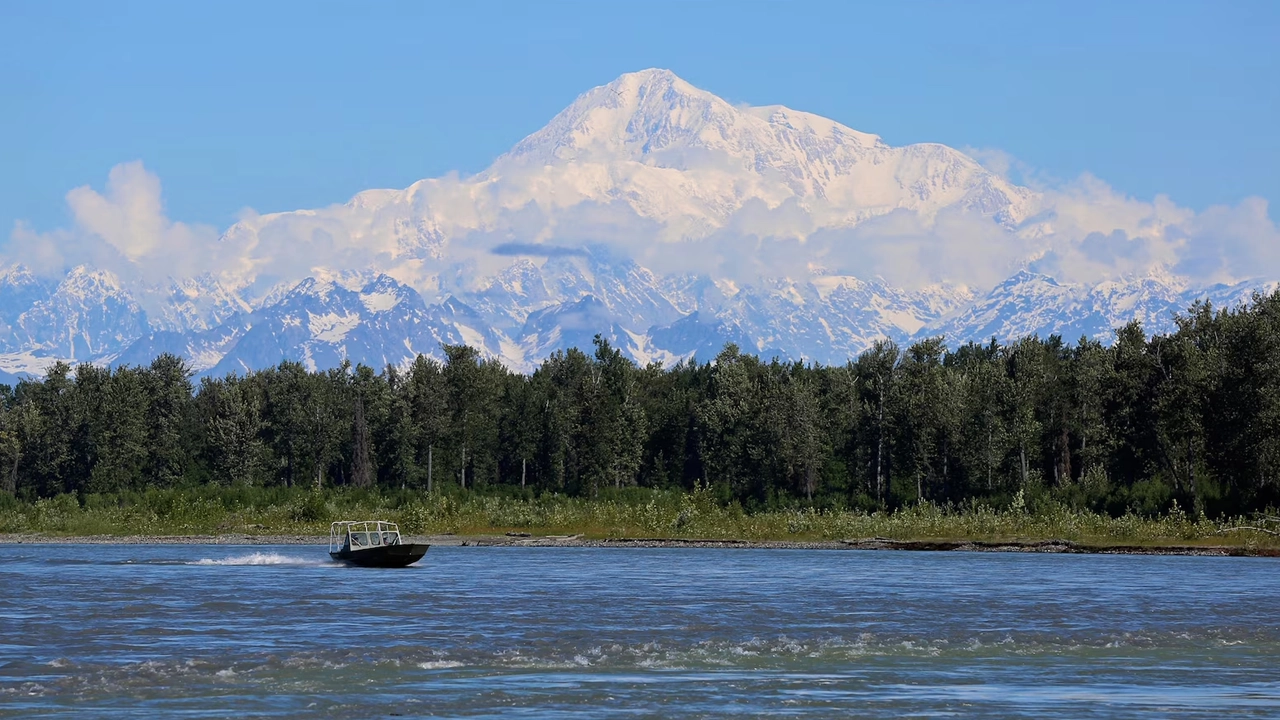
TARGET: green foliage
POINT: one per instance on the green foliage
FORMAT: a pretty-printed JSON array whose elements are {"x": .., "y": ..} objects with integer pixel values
[
  {"x": 635, "y": 512},
  {"x": 1187, "y": 422},
  {"x": 310, "y": 508}
]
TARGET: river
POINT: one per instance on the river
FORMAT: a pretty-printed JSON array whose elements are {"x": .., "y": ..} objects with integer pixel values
[{"x": 218, "y": 631}]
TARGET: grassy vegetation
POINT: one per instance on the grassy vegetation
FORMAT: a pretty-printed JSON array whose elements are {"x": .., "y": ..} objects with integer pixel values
[{"x": 629, "y": 513}]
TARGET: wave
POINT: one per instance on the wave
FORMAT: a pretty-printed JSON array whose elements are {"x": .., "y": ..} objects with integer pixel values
[
  {"x": 1242, "y": 673},
  {"x": 440, "y": 664},
  {"x": 261, "y": 558}
]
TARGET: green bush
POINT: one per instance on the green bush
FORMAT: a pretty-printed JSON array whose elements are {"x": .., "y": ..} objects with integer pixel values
[
  {"x": 1028, "y": 515},
  {"x": 311, "y": 508}
]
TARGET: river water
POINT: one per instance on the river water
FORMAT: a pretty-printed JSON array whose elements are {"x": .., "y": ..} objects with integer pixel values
[{"x": 217, "y": 631}]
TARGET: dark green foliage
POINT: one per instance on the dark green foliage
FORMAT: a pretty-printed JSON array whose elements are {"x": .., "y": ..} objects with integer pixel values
[{"x": 1188, "y": 420}]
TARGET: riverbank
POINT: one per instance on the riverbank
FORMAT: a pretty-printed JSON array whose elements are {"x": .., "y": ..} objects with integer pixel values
[
  {"x": 635, "y": 519},
  {"x": 577, "y": 541}
]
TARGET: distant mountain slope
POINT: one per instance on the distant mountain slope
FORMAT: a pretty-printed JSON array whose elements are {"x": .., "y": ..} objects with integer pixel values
[{"x": 1033, "y": 304}]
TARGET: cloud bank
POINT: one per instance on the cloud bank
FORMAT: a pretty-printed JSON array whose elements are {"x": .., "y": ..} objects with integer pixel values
[
  {"x": 123, "y": 229},
  {"x": 445, "y": 235}
]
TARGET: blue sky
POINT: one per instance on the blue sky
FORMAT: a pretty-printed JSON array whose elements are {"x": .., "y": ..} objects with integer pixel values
[{"x": 280, "y": 105}]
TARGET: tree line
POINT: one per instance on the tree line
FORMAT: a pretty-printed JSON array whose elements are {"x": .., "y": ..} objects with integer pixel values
[{"x": 1190, "y": 418}]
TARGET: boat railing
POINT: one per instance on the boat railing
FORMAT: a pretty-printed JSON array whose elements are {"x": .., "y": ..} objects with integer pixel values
[{"x": 362, "y": 534}]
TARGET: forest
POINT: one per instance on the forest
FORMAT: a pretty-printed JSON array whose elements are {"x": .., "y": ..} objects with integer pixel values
[{"x": 1186, "y": 422}]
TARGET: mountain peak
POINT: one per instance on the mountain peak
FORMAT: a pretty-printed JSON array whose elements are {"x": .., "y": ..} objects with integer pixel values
[
  {"x": 634, "y": 83},
  {"x": 655, "y": 117},
  {"x": 636, "y": 114},
  {"x": 84, "y": 279},
  {"x": 689, "y": 159}
]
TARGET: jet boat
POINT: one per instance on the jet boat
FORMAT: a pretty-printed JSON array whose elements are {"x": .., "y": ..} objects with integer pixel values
[{"x": 372, "y": 543}]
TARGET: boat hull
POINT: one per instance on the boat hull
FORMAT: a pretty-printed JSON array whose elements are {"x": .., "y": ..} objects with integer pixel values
[{"x": 383, "y": 556}]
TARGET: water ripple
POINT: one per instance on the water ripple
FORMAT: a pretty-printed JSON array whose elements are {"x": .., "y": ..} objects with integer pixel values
[{"x": 491, "y": 632}]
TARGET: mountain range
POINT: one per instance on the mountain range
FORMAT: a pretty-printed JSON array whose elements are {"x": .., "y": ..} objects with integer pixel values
[{"x": 657, "y": 214}]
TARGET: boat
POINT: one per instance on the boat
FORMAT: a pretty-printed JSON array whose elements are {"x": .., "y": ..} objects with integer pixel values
[{"x": 372, "y": 543}]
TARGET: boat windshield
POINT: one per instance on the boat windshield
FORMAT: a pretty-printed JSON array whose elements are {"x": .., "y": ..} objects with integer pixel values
[{"x": 362, "y": 534}]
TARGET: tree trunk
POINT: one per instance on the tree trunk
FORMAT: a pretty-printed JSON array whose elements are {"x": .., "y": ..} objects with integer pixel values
[
  {"x": 1065, "y": 456},
  {"x": 430, "y": 448},
  {"x": 1022, "y": 453},
  {"x": 1084, "y": 440},
  {"x": 361, "y": 474},
  {"x": 523, "y": 468},
  {"x": 464, "y": 467},
  {"x": 946, "y": 478},
  {"x": 880, "y": 446},
  {"x": 11, "y": 483},
  {"x": 1191, "y": 472},
  {"x": 988, "y": 456}
]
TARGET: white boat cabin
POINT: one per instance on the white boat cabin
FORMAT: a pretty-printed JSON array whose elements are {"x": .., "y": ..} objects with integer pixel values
[{"x": 350, "y": 535}]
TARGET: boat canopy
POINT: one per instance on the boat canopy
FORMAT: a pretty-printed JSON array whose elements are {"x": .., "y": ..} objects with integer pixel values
[{"x": 362, "y": 534}]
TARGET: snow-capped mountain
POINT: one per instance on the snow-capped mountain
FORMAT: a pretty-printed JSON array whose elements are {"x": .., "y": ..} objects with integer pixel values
[
  {"x": 199, "y": 303},
  {"x": 647, "y": 162},
  {"x": 686, "y": 158},
  {"x": 649, "y": 211},
  {"x": 1030, "y": 303},
  {"x": 19, "y": 292},
  {"x": 89, "y": 314}
]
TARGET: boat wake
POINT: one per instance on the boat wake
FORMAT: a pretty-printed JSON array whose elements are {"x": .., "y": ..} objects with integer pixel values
[{"x": 261, "y": 558}]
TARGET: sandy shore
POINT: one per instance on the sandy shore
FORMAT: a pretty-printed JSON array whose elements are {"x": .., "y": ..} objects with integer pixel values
[{"x": 520, "y": 540}]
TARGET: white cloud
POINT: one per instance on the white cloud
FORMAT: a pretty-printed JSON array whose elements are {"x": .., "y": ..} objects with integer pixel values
[
  {"x": 124, "y": 229},
  {"x": 910, "y": 251},
  {"x": 1012, "y": 168},
  {"x": 1095, "y": 233},
  {"x": 1230, "y": 243},
  {"x": 441, "y": 236}
]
